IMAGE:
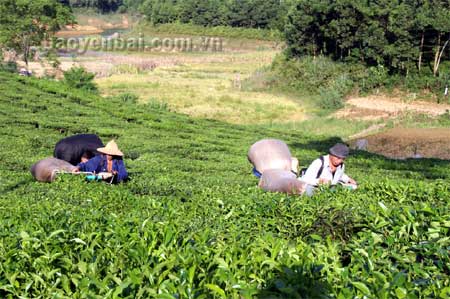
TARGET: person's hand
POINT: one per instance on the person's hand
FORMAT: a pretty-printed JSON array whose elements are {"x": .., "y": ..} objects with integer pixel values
[
  {"x": 352, "y": 181},
  {"x": 323, "y": 181},
  {"x": 115, "y": 172},
  {"x": 105, "y": 175}
]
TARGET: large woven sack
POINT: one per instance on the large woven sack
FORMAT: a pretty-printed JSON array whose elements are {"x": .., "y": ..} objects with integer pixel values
[
  {"x": 46, "y": 169},
  {"x": 72, "y": 148},
  {"x": 270, "y": 154},
  {"x": 277, "y": 180}
]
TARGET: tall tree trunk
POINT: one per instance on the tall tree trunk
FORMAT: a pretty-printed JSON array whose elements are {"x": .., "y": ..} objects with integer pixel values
[
  {"x": 314, "y": 47},
  {"x": 26, "y": 50},
  {"x": 436, "y": 55},
  {"x": 421, "y": 51},
  {"x": 439, "y": 56},
  {"x": 407, "y": 67}
]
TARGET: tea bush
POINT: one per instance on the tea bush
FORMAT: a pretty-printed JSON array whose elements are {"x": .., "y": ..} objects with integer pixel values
[
  {"x": 9, "y": 66},
  {"x": 192, "y": 223},
  {"x": 127, "y": 97},
  {"x": 78, "y": 77}
]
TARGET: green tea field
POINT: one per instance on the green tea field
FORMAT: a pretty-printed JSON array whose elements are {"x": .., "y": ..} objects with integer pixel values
[{"x": 192, "y": 222}]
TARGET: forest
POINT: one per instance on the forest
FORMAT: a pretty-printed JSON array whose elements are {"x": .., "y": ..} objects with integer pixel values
[
  {"x": 247, "y": 13},
  {"x": 404, "y": 36}
]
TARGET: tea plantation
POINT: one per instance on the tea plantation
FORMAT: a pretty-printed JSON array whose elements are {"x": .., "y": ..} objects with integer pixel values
[{"x": 192, "y": 223}]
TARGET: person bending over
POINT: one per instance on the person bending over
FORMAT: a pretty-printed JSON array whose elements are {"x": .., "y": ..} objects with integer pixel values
[
  {"x": 108, "y": 162},
  {"x": 328, "y": 170}
]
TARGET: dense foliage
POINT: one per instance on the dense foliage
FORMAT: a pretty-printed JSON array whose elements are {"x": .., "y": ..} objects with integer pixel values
[
  {"x": 334, "y": 80},
  {"x": 78, "y": 77},
  {"x": 216, "y": 31},
  {"x": 24, "y": 24},
  {"x": 235, "y": 13},
  {"x": 193, "y": 224},
  {"x": 403, "y": 36},
  {"x": 100, "y": 5}
]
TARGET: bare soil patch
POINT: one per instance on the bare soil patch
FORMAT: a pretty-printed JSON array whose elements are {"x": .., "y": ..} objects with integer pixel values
[
  {"x": 77, "y": 30},
  {"x": 387, "y": 107},
  {"x": 396, "y": 105},
  {"x": 92, "y": 25},
  {"x": 401, "y": 143}
]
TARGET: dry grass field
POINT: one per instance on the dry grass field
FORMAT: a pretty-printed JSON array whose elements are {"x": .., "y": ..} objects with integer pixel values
[
  {"x": 207, "y": 85},
  {"x": 200, "y": 83}
]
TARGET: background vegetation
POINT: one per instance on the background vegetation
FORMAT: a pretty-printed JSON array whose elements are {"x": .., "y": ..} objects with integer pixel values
[
  {"x": 401, "y": 43},
  {"x": 235, "y": 13},
  {"x": 376, "y": 45},
  {"x": 25, "y": 24}
]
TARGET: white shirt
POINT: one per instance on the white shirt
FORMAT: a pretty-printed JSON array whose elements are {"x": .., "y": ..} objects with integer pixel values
[{"x": 310, "y": 176}]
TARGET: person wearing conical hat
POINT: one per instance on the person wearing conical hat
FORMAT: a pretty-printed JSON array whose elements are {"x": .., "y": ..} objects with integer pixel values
[{"x": 108, "y": 161}]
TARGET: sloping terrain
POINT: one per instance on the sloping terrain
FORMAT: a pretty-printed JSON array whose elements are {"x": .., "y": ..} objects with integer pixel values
[{"x": 192, "y": 224}]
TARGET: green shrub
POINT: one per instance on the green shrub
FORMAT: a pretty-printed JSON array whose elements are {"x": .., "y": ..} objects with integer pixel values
[
  {"x": 343, "y": 84},
  {"x": 376, "y": 77},
  {"x": 128, "y": 97},
  {"x": 156, "y": 104},
  {"x": 262, "y": 79},
  {"x": 320, "y": 75},
  {"x": 330, "y": 99},
  {"x": 331, "y": 79},
  {"x": 308, "y": 73},
  {"x": 9, "y": 66},
  {"x": 79, "y": 78}
]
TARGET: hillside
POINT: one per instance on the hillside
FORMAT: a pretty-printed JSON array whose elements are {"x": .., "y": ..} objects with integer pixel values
[{"x": 193, "y": 224}]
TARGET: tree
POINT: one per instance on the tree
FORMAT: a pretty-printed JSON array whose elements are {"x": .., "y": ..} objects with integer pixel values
[
  {"x": 24, "y": 23},
  {"x": 132, "y": 5},
  {"x": 265, "y": 13},
  {"x": 441, "y": 27},
  {"x": 160, "y": 11},
  {"x": 423, "y": 22},
  {"x": 239, "y": 13},
  {"x": 100, "y": 5},
  {"x": 202, "y": 12},
  {"x": 235, "y": 13},
  {"x": 393, "y": 34},
  {"x": 400, "y": 50},
  {"x": 304, "y": 30},
  {"x": 79, "y": 78}
]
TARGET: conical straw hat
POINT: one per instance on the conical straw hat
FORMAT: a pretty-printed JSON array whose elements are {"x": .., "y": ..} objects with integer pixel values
[{"x": 111, "y": 148}]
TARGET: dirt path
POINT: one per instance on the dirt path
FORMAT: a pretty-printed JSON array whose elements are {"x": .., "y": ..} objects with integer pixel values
[
  {"x": 400, "y": 143},
  {"x": 374, "y": 107}
]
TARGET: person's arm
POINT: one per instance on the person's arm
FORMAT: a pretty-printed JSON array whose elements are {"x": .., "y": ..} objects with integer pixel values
[
  {"x": 294, "y": 166},
  {"x": 91, "y": 165},
  {"x": 120, "y": 173},
  {"x": 310, "y": 176},
  {"x": 345, "y": 178}
]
